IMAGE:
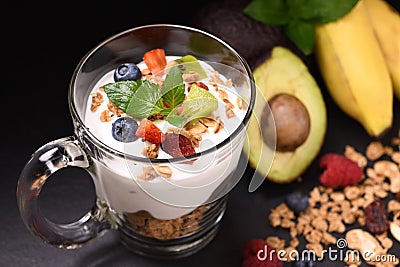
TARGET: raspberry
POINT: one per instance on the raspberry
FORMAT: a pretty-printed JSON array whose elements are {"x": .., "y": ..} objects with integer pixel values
[
  {"x": 250, "y": 254},
  {"x": 376, "y": 217},
  {"x": 339, "y": 171},
  {"x": 177, "y": 145},
  {"x": 252, "y": 246}
]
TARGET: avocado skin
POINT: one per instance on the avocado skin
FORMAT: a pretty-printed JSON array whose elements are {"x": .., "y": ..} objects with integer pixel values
[{"x": 253, "y": 40}]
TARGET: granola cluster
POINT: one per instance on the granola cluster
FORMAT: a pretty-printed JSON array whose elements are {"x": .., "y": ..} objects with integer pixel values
[
  {"x": 215, "y": 79},
  {"x": 145, "y": 224},
  {"x": 341, "y": 213}
]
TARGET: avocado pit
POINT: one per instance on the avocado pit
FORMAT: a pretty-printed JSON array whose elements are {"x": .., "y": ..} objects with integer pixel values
[{"x": 292, "y": 122}]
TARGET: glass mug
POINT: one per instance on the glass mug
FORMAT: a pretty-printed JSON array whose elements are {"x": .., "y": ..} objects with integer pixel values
[{"x": 163, "y": 219}]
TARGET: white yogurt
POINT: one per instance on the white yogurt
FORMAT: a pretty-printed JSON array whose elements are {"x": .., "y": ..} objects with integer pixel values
[{"x": 190, "y": 184}]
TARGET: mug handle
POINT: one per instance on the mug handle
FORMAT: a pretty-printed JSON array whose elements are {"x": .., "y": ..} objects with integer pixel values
[{"x": 45, "y": 161}]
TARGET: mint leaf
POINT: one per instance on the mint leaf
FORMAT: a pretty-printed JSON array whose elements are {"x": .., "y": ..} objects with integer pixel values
[
  {"x": 174, "y": 119},
  {"x": 274, "y": 12},
  {"x": 173, "y": 88},
  {"x": 190, "y": 63},
  {"x": 120, "y": 93},
  {"x": 299, "y": 16},
  {"x": 317, "y": 11},
  {"x": 145, "y": 101},
  {"x": 302, "y": 34},
  {"x": 300, "y": 9}
]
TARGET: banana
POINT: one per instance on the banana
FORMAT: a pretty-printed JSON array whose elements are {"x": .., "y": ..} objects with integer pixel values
[
  {"x": 385, "y": 21},
  {"x": 354, "y": 70}
]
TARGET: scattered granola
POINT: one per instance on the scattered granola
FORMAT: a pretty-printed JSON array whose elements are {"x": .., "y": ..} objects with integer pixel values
[
  {"x": 197, "y": 128},
  {"x": 114, "y": 109},
  {"x": 163, "y": 171},
  {"x": 215, "y": 124},
  {"x": 364, "y": 242},
  {"x": 97, "y": 100},
  {"x": 239, "y": 102},
  {"x": 375, "y": 150},
  {"x": 157, "y": 116},
  {"x": 151, "y": 151},
  {"x": 105, "y": 116},
  {"x": 395, "y": 230},
  {"x": 355, "y": 156},
  {"x": 396, "y": 157},
  {"x": 229, "y": 112},
  {"x": 148, "y": 174},
  {"x": 228, "y": 103},
  {"x": 223, "y": 94},
  {"x": 191, "y": 77},
  {"x": 347, "y": 212},
  {"x": 215, "y": 78}
]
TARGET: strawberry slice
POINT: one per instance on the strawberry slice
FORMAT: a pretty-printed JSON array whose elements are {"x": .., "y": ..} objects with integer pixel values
[
  {"x": 155, "y": 60},
  {"x": 148, "y": 131}
]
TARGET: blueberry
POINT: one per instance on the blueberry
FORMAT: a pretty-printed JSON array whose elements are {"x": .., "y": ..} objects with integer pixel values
[
  {"x": 124, "y": 129},
  {"x": 303, "y": 262},
  {"x": 297, "y": 201},
  {"x": 127, "y": 71}
]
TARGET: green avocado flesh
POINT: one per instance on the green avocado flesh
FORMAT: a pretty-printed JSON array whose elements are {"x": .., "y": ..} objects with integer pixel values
[{"x": 285, "y": 73}]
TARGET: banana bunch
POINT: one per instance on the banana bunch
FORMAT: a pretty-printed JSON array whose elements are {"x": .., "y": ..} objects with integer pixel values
[{"x": 359, "y": 59}]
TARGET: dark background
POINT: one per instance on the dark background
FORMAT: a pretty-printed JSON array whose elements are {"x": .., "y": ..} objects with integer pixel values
[{"x": 41, "y": 46}]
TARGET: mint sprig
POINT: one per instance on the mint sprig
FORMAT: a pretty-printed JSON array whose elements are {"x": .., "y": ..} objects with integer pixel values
[
  {"x": 299, "y": 17},
  {"x": 173, "y": 88},
  {"x": 146, "y": 101},
  {"x": 174, "y": 118},
  {"x": 142, "y": 98},
  {"x": 120, "y": 93}
]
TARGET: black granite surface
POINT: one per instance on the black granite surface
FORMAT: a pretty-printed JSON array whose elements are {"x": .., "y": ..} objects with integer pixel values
[{"x": 41, "y": 45}]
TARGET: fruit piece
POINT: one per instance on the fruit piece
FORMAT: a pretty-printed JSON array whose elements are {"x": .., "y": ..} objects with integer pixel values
[
  {"x": 255, "y": 248},
  {"x": 339, "y": 171},
  {"x": 155, "y": 60},
  {"x": 385, "y": 21},
  {"x": 148, "y": 131},
  {"x": 177, "y": 145},
  {"x": 127, "y": 72},
  {"x": 251, "y": 247},
  {"x": 199, "y": 103},
  {"x": 124, "y": 129},
  {"x": 202, "y": 85},
  {"x": 376, "y": 217},
  {"x": 395, "y": 230},
  {"x": 354, "y": 70},
  {"x": 297, "y": 201},
  {"x": 189, "y": 63},
  {"x": 284, "y": 74}
]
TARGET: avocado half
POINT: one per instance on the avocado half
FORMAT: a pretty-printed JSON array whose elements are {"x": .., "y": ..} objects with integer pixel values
[{"x": 285, "y": 74}]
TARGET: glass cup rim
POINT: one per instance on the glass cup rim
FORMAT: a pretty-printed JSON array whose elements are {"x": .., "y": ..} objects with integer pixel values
[{"x": 96, "y": 141}]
